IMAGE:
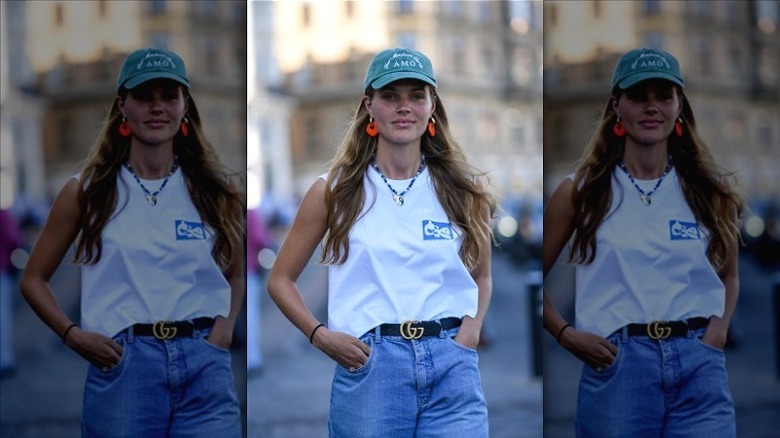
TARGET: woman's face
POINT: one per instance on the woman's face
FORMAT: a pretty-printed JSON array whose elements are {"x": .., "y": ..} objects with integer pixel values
[
  {"x": 649, "y": 110},
  {"x": 401, "y": 110},
  {"x": 154, "y": 110}
]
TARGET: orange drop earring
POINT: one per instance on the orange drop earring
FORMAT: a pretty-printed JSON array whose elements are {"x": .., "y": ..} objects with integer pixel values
[
  {"x": 678, "y": 127},
  {"x": 618, "y": 128},
  {"x": 371, "y": 128},
  {"x": 185, "y": 129},
  {"x": 432, "y": 127},
  {"x": 124, "y": 128}
]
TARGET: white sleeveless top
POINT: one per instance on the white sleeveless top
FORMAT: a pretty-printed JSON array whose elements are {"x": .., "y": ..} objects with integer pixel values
[
  {"x": 156, "y": 262},
  {"x": 403, "y": 262},
  {"x": 651, "y": 262}
]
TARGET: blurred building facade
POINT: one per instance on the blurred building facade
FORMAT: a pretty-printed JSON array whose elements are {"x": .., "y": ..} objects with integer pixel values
[
  {"x": 487, "y": 56},
  {"x": 269, "y": 166},
  {"x": 729, "y": 52},
  {"x": 71, "y": 53}
]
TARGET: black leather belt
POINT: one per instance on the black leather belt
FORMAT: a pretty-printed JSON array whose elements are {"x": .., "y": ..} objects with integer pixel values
[
  {"x": 419, "y": 329},
  {"x": 171, "y": 329},
  {"x": 666, "y": 329}
]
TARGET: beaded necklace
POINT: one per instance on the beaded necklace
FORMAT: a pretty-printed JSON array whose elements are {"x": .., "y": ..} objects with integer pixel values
[
  {"x": 151, "y": 198},
  {"x": 398, "y": 197},
  {"x": 645, "y": 196}
]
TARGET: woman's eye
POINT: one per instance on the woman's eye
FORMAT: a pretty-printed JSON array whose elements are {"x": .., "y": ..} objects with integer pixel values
[{"x": 636, "y": 96}]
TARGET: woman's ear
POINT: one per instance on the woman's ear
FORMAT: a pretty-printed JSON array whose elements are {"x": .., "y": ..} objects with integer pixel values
[
  {"x": 614, "y": 102},
  {"x": 120, "y": 103},
  {"x": 367, "y": 104}
]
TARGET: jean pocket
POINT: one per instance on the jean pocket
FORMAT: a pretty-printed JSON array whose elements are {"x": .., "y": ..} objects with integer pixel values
[
  {"x": 371, "y": 353},
  {"x": 708, "y": 346},
  {"x": 121, "y": 340},
  {"x": 615, "y": 362},
  {"x": 205, "y": 340},
  {"x": 456, "y": 344}
]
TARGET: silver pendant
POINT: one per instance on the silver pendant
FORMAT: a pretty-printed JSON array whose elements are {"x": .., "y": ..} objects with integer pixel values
[
  {"x": 399, "y": 200},
  {"x": 645, "y": 199},
  {"x": 151, "y": 199}
]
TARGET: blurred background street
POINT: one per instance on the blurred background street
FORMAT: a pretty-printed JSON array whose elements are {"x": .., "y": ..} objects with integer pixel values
[{"x": 276, "y": 83}]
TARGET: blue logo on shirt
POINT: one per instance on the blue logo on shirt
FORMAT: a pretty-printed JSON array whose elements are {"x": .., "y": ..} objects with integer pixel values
[
  {"x": 679, "y": 230},
  {"x": 436, "y": 230},
  {"x": 186, "y": 230}
]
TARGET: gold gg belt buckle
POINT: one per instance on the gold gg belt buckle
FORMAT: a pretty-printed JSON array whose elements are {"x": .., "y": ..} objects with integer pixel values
[
  {"x": 161, "y": 330},
  {"x": 408, "y": 332},
  {"x": 656, "y": 331}
]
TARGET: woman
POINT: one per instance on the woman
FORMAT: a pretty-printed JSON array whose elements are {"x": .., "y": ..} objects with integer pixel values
[
  {"x": 407, "y": 243},
  {"x": 653, "y": 229},
  {"x": 159, "y": 236}
]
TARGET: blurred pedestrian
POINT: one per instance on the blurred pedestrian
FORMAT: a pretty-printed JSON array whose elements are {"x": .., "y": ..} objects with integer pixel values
[
  {"x": 257, "y": 238},
  {"x": 407, "y": 244},
  {"x": 11, "y": 238},
  {"x": 654, "y": 238},
  {"x": 158, "y": 228}
]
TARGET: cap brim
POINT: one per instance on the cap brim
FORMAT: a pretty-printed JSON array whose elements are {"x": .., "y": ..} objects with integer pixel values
[
  {"x": 383, "y": 81},
  {"x": 639, "y": 77},
  {"x": 145, "y": 77}
]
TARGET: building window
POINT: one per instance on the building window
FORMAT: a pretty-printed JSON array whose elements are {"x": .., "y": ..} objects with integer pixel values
[
  {"x": 101, "y": 4},
  {"x": 485, "y": 12},
  {"x": 407, "y": 41},
  {"x": 700, "y": 8},
  {"x": 405, "y": 6},
  {"x": 58, "y": 15},
  {"x": 206, "y": 8},
  {"x": 209, "y": 49},
  {"x": 160, "y": 40},
  {"x": 458, "y": 59},
  {"x": 654, "y": 40},
  {"x": 651, "y": 7},
  {"x": 157, "y": 7},
  {"x": 306, "y": 14},
  {"x": 312, "y": 136},
  {"x": 704, "y": 56},
  {"x": 349, "y": 8},
  {"x": 596, "y": 8},
  {"x": 453, "y": 8},
  {"x": 553, "y": 15}
]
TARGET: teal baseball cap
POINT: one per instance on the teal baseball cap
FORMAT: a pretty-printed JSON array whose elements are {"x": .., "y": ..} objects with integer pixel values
[
  {"x": 642, "y": 64},
  {"x": 147, "y": 64},
  {"x": 393, "y": 64}
]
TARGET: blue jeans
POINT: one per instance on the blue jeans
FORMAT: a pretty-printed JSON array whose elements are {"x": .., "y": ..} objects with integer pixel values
[
  {"x": 670, "y": 388},
  {"x": 422, "y": 388},
  {"x": 180, "y": 387}
]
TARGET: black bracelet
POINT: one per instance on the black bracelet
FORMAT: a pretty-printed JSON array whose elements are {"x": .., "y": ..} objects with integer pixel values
[
  {"x": 311, "y": 338},
  {"x": 560, "y": 332},
  {"x": 65, "y": 335}
]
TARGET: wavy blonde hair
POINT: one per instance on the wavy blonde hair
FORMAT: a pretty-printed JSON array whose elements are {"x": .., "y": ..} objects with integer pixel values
[
  {"x": 714, "y": 202},
  {"x": 218, "y": 202},
  {"x": 469, "y": 204}
]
